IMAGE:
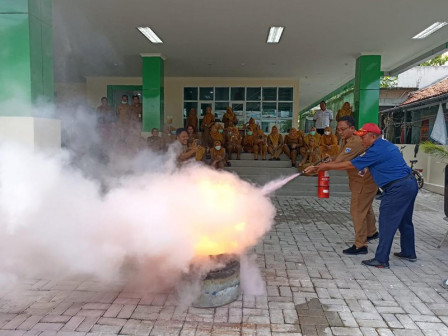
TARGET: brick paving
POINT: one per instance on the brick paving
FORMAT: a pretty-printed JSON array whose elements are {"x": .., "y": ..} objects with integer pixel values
[{"x": 311, "y": 288}]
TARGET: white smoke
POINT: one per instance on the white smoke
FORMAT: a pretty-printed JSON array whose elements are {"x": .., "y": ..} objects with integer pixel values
[{"x": 55, "y": 221}]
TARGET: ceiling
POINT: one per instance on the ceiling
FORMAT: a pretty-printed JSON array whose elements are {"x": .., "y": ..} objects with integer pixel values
[{"x": 227, "y": 38}]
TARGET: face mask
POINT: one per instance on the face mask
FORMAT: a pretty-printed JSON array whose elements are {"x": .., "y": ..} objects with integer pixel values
[
  {"x": 124, "y": 102},
  {"x": 218, "y": 147},
  {"x": 173, "y": 132},
  {"x": 312, "y": 132},
  {"x": 327, "y": 133},
  {"x": 220, "y": 131},
  {"x": 249, "y": 133}
]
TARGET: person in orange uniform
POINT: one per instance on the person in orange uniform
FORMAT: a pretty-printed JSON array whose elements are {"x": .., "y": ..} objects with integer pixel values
[
  {"x": 328, "y": 143},
  {"x": 137, "y": 109},
  {"x": 312, "y": 155},
  {"x": 192, "y": 135},
  {"x": 253, "y": 126},
  {"x": 262, "y": 144},
  {"x": 362, "y": 186},
  {"x": 275, "y": 144},
  {"x": 229, "y": 118},
  {"x": 215, "y": 135},
  {"x": 233, "y": 141},
  {"x": 250, "y": 143},
  {"x": 154, "y": 141},
  {"x": 206, "y": 125},
  {"x": 306, "y": 139},
  {"x": 192, "y": 120},
  {"x": 218, "y": 155},
  {"x": 124, "y": 112},
  {"x": 292, "y": 145},
  {"x": 345, "y": 110}
]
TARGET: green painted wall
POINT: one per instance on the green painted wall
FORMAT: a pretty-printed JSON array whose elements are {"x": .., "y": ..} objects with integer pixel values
[
  {"x": 153, "y": 92},
  {"x": 367, "y": 89},
  {"x": 26, "y": 53}
]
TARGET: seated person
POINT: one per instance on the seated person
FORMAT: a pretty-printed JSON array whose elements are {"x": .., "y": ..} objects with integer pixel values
[
  {"x": 192, "y": 135},
  {"x": 218, "y": 155},
  {"x": 221, "y": 131},
  {"x": 229, "y": 118},
  {"x": 182, "y": 140},
  {"x": 250, "y": 143},
  {"x": 200, "y": 150},
  {"x": 154, "y": 141},
  {"x": 253, "y": 126},
  {"x": 292, "y": 145},
  {"x": 306, "y": 139},
  {"x": 215, "y": 135},
  {"x": 233, "y": 141},
  {"x": 328, "y": 143},
  {"x": 262, "y": 144},
  {"x": 312, "y": 154},
  {"x": 275, "y": 144}
]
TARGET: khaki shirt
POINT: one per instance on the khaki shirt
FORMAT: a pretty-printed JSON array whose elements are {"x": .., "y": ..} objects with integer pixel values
[{"x": 350, "y": 149}]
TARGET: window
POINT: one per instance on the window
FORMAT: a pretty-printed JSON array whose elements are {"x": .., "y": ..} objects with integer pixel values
[{"x": 269, "y": 106}]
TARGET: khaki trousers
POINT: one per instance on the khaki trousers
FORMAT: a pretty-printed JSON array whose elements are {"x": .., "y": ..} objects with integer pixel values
[
  {"x": 275, "y": 153},
  {"x": 292, "y": 154},
  {"x": 363, "y": 216}
]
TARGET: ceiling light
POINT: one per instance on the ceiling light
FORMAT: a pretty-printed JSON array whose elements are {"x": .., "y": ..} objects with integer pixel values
[
  {"x": 431, "y": 29},
  {"x": 150, "y": 35},
  {"x": 275, "y": 33}
]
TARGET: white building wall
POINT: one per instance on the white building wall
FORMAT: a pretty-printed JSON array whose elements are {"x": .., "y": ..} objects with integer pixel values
[{"x": 422, "y": 76}]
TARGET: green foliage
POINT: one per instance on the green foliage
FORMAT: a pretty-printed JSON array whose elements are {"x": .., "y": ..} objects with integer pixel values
[
  {"x": 436, "y": 61},
  {"x": 389, "y": 81},
  {"x": 437, "y": 151}
]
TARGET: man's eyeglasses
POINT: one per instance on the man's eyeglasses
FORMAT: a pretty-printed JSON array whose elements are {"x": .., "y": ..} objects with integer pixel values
[{"x": 341, "y": 129}]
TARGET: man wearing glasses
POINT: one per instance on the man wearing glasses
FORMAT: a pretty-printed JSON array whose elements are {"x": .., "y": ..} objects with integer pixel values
[
  {"x": 362, "y": 186},
  {"x": 392, "y": 174}
]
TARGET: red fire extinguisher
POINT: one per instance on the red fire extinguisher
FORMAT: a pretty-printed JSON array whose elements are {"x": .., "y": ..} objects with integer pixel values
[{"x": 323, "y": 184}]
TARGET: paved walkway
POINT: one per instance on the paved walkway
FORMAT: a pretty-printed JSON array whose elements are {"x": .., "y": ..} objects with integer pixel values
[{"x": 312, "y": 288}]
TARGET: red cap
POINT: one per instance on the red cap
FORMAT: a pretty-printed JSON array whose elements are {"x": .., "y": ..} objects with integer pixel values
[{"x": 368, "y": 128}]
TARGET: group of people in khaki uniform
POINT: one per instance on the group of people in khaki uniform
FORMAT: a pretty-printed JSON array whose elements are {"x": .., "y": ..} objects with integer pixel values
[{"x": 121, "y": 129}]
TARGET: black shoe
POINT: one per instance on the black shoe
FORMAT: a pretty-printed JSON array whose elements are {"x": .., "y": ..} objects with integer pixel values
[
  {"x": 372, "y": 237},
  {"x": 354, "y": 251},
  {"x": 402, "y": 256},
  {"x": 375, "y": 263},
  {"x": 278, "y": 159},
  {"x": 271, "y": 159},
  {"x": 293, "y": 165},
  {"x": 228, "y": 164}
]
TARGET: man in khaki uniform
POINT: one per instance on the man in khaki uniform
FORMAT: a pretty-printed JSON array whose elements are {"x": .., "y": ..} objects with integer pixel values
[{"x": 362, "y": 186}]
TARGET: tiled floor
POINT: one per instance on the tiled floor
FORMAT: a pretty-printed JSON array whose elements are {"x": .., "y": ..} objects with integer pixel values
[{"x": 311, "y": 288}]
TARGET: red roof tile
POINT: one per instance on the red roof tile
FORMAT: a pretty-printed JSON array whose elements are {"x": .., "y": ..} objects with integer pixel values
[{"x": 429, "y": 92}]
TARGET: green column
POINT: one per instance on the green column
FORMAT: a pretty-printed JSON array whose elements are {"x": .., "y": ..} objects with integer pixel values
[
  {"x": 26, "y": 52},
  {"x": 153, "y": 85},
  {"x": 367, "y": 89}
]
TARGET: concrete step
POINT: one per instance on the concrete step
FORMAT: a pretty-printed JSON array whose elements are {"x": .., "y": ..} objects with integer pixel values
[
  {"x": 250, "y": 156},
  {"x": 261, "y": 163},
  {"x": 301, "y": 180},
  {"x": 260, "y": 172}
]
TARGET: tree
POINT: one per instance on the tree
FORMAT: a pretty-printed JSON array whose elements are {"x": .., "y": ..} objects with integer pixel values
[
  {"x": 388, "y": 81},
  {"x": 436, "y": 61}
]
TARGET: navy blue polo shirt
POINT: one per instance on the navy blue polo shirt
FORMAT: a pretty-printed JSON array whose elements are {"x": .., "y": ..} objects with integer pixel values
[{"x": 385, "y": 162}]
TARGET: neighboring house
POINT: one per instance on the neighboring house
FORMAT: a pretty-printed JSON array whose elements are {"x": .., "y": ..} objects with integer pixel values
[{"x": 412, "y": 121}]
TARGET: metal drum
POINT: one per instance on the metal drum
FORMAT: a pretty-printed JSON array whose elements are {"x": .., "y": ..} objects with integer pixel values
[{"x": 220, "y": 286}]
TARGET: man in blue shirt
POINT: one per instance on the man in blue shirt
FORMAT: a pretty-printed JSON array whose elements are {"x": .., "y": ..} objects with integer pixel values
[{"x": 392, "y": 174}]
